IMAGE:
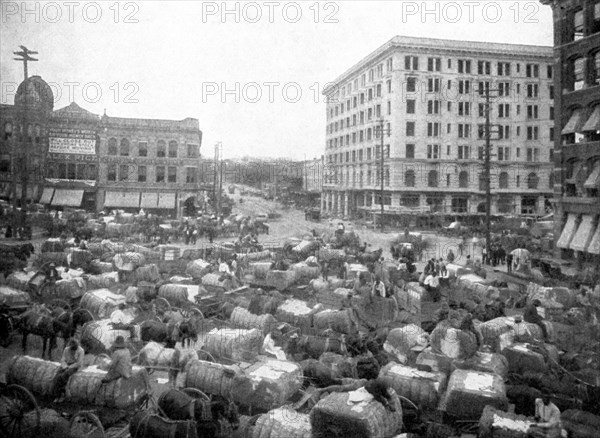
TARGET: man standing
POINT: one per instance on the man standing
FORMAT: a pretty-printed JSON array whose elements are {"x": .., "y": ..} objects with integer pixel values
[
  {"x": 120, "y": 364},
  {"x": 70, "y": 363},
  {"x": 432, "y": 284},
  {"x": 509, "y": 262}
]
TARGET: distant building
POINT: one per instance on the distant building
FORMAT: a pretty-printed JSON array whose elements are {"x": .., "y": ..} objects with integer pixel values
[
  {"x": 73, "y": 158},
  {"x": 312, "y": 175},
  {"x": 577, "y": 147},
  {"x": 430, "y": 95}
]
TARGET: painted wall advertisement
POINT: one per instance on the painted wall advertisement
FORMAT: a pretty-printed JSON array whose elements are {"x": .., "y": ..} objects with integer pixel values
[{"x": 72, "y": 141}]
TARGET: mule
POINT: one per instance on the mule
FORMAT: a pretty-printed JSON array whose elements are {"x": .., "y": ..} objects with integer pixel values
[
  {"x": 207, "y": 414},
  {"x": 47, "y": 325},
  {"x": 169, "y": 333}
]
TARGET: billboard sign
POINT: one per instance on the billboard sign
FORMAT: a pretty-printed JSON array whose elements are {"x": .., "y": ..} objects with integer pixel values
[{"x": 72, "y": 141}]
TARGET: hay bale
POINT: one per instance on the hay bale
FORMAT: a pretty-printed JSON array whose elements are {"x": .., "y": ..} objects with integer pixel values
[
  {"x": 216, "y": 281},
  {"x": 438, "y": 363},
  {"x": 495, "y": 422},
  {"x": 147, "y": 273},
  {"x": 242, "y": 345},
  {"x": 70, "y": 289},
  {"x": 129, "y": 261},
  {"x": 454, "y": 343},
  {"x": 97, "y": 337},
  {"x": 296, "y": 313},
  {"x": 485, "y": 362},
  {"x": 242, "y": 318},
  {"x": 259, "y": 269},
  {"x": 12, "y": 297},
  {"x": 85, "y": 387},
  {"x": 335, "y": 416},
  {"x": 400, "y": 341},
  {"x": 280, "y": 280},
  {"x": 268, "y": 384},
  {"x": 211, "y": 378},
  {"x": 99, "y": 267},
  {"x": 102, "y": 281},
  {"x": 197, "y": 269},
  {"x": 101, "y": 302},
  {"x": 470, "y": 391},
  {"x": 175, "y": 294},
  {"x": 282, "y": 423},
  {"x": 131, "y": 295},
  {"x": 421, "y": 387},
  {"x": 19, "y": 280},
  {"x": 305, "y": 273},
  {"x": 522, "y": 358},
  {"x": 337, "y": 320},
  {"x": 37, "y": 375}
]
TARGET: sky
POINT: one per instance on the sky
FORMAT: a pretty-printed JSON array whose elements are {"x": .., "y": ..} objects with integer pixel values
[{"x": 252, "y": 73}]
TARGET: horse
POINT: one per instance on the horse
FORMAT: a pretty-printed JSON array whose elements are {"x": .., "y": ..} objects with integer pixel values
[
  {"x": 47, "y": 325},
  {"x": 169, "y": 333},
  {"x": 144, "y": 424},
  {"x": 369, "y": 257},
  {"x": 177, "y": 405}
]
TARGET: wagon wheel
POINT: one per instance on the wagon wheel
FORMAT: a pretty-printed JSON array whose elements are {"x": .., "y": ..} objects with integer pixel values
[
  {"x": 15, "y": 403},
  {"x": 196, "y": 393},
  {"x": 86, "y": 425},
  {"x": 162, "y": 305},
  {"x": 191, "y": 311},
  {"x": 58, "y": 302}
]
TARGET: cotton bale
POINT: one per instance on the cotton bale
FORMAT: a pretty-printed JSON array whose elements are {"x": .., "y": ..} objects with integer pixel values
[
  {"x": 70, "y": 289},
  {"x": 328, "y": 255},
  {"x": 236, "y": 344},
  {"x": 470, "y": 391},
  {"x": 485, "y": 362},
  {"x": 268, "y": 384},
  {"x": 259, "y": 269},
  {"x": 97, "y": 337},
  {"x": 242, "y": 318},
  {"x": 36, "y": 375},
  {"x": 175, "y": 294},
  {"x": 99, "y": 267},
  {"x": 340, "y": 321},
  {"x": 14, "y": 298},
  {"x": 280, "y": 280},
  {"x": 147, "y": 273},
  {"x": 454, "y": 343},
  {"x": 128, "y": 261},
  {"x": 282, "y": 422},
  {"x": 421, "y": 387},
  {"x": 19, "y": 280},
  {"x": 305, "y": 273},
  {"x": 102, "y": 281},
  {"x": 197, "y": 269},
  {"x": 86, "y": 387},
  {"x": 216, "y": 282},
  {"x": 354, "y": 414},
  {"x": 255, "y": 256},
  {"x": 297, "y": 313},
  {"x": 497, "y": 423},
  {"x": 521, "y": 358},
  {"x": 401, "y": 341},
  {"x": 212, "y": 378},
  {"x": 580, "y": 424},
  {"x": 439, "y": 363},
  {"x": 101, "y": 302}
]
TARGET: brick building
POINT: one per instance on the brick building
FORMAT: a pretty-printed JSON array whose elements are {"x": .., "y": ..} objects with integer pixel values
[{"x": 430, "y": 95}]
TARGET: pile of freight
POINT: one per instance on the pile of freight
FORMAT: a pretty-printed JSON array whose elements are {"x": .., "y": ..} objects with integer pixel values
[{"x": 260, "y": 344}]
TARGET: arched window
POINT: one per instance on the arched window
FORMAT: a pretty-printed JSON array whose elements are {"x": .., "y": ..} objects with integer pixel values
[
  {"x": 432, "y": 178},
  {"x": 112, "y": 146},
  {"x": 8, "y": 130},
  {"x": 503, "y": 180},
  {"x": 409, "y": 178},
  {"x": 532, "y": 181},
  {"x": 124, "y": 148},
  {"x": 161, "y": 149},
  {"x": 172, "y": 149},
  {"x": 463, "y": 179}
]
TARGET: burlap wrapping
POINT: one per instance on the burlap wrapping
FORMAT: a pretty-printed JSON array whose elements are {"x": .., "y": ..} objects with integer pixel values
[
  {"x": 211, "y": 378},
  {"x": 470, "y": 391},
  {"x": 52, "y": 245},
  {"x": 197, "y": 269},
  {"x": 13, "y": 297},
  {"x": 58, "y": 258},
  {"x": 297, "y": 313},
  {"x": 147, "y": 273},
  {"x": 436, "y": 361},
  {"x": 101, "y": 302},
  {"x": 99, "y": 267},
  {"x": 421, "y": 387},
  {"x": 338, "y": 320},
  {"x": 19, "y": 280},
  {"x": 102, "y": 281},
  {"x": 326, "y": 254},
  {"x": 128, "y": 261},
  {"x": 282, "y": 423},
  {"x": 580, "y": 424},
  {"x": 401, "y": 340},
  {"x": 37, "y": 375},
  {"x": 85, "y": 387},
  {"x": 70, "y": 289},
  {"x": 254, "y": 256},
  {"x": 496, "y": 423},
  {"x": 522, "y": 358},
  {"x": 216, "y": 281},
  {"x": 549, "y": 295},
  {"x": 175, "y": 294},
  {"x": 319, "y": 286},
  {"x": 98, "y": 336},
  {"x": 242, "y": 318},
  {"x": 280, "y": 280},
  {"x": 80, "y": 257},
  {"x": 242, "y": 345},
  {"x": 305, "y": 273},
  {"x": 268, "y": 384},
  {"x": 333, "y": 416},
  {"x": 259, "y": 269},
  {"x": 454, "y": 343},
  {"x": 485, "y": 362}
]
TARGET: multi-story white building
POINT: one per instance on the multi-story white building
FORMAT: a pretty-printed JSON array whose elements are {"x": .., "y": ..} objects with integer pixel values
[{"x": 430, "y": 96}]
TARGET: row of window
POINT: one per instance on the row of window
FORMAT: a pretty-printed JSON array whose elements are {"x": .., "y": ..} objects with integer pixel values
[
  {"x": 123, "y": 148},
  {"x": 33, "y": 132},
  {"x": 581, "y": 72},
  {"x": 580, "y": 22},
  {"x": 434, "y": 152},
  {"x": 73, "y": 171},
  {"x": 162, "y": 174}
]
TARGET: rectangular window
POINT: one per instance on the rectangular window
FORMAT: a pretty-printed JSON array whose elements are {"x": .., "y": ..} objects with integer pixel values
[
  {"x": 410, "y": 151},
  {"x": 464, "y": 108},
  {"x": 484, "y": 67},
  {"x": 503, "y": 110},
  {"x": 389, "y": 108},
  {"x": 504, "y": 89},
  {"x": 142, "y": 173},
  {"x": 434, "y": 64},
  {"x": 464, "y": 66},
  {"x": 483, "y": 88},
  {"x": 389, "y": 89},
  {"x": 532, "y": 111},
  {"x": 123, "y": 172},
  {"x": 433, "y": 151},
  {"x": 578, "y": 25},
  {"x": 111, "y": 172},
  {"x": 532, "y": 70},
  {"x": 504, "y": 69},
  {"x": 481, "y": 110},
  {"x": 161, "y": 149},
  {"x": 464, "y": 86},
  {"x": 464, "y": 152},
  {"x": 433, "y": 85},
  {"x": 191, "y": 175},
  {"x": 142, "y": 149},
  {"x": 172, "y": 171},
  {"x": 160, "y": 174},
  {"x": 433, "y": 106},
  {"x": 411, "y": 84},
  {"x": 532, "y": 91},
  {"x": 464, "y": 130},
  {"x": 433, "y": 129},
  {"x": 410, "y": 129},
  {"x": 481, "y": 153},
  {"x": 411, "y": 63}
]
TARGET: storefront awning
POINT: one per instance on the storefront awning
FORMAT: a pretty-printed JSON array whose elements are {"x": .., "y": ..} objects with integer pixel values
[
  {"x": 577, "y": 168},
  {"x": 568, "y": 232},
  {"x": 574, "y": 123},
  {"x": 166, "y": 200},
  {"x": 593, "y": 181},
  {"x": 584, "y": 234},
  {"x": 67, "y": 198},
  {"x": 149, "y": 200},
  {"x": 593, "y": 123},
  {"x": 594, "y": 246},
  {"x": 122, "y": 199},
  {"x": 31, "y": 191},
  {"x": 47, "y": 195}
]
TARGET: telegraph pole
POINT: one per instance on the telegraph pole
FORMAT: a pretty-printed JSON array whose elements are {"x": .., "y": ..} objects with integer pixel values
[
  {"x": 382, "y": 132},
  {"x": 24, "y": 58}
]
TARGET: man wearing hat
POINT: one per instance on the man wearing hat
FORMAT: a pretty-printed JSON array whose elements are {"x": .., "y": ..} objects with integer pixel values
[
  {"x": 532, "y": 316},
  {"x": 70, "y": 363},
  {"x": 120, "y": 364}
]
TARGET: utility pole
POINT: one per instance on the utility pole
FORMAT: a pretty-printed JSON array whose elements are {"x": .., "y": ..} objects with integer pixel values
[
  {"x": 382, "y": 132},
  {"x": 218, "y": 178},
  {"x": 487, "y": 171},
  {"x": 24, "y": 58}
]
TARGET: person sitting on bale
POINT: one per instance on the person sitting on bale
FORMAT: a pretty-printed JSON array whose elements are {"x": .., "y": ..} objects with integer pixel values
[
  {"x": 547, "y": 417},
  {"x": 532, "y": 316},
  {"x": 120, "y": 364},
  {"x": 70, "y": 363}
]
